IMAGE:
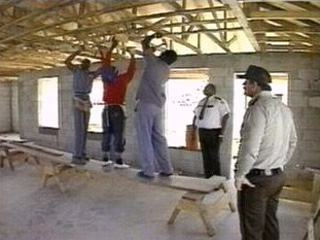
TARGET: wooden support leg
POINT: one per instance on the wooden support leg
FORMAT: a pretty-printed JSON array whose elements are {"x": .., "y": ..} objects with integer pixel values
[
  {"x": 193, "y": 202},
  {"x": 52, "y": 172},
  {"x": 47, "y": 173},
  {"x": 315, "y": 191},
  {"x": 60, "y": 184},
  {"x": 10, "y": 163},
  {"x": 205, "y": 219},
  {"x": 1, "y": 161},
  {"x": 174, "y": 215},
  {"x": 35, "y": 158},
  {"x": 83, "y": 171},
  {"x": 4, "y": 155}
]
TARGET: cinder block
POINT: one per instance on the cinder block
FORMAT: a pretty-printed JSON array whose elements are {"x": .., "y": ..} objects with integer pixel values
[{"x": 314, "y": 102}]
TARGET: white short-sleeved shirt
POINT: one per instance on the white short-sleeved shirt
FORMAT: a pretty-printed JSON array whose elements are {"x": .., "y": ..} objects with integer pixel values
[{"x": 216, "y": 109}]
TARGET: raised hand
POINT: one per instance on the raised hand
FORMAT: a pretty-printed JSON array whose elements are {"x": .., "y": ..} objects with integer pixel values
[{"x": 158, "y": 35}]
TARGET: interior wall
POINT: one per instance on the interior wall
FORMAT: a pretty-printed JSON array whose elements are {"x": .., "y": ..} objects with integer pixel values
[
  {"x": 15, "y": 106},
  {"x": 5, "y": 108},
  {"x": 303, "y": 70}
]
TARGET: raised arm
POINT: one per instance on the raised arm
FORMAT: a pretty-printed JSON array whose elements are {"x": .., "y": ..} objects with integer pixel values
[
  {"x": 146, "y": 41},
  {"x": 113, "y": 46},
  {"x": 106, "y": 60},
  {"x": 131, "y": 68},
  {"x": 69, "y": 59}
]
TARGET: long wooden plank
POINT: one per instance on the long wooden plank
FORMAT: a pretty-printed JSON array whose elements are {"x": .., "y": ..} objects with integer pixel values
[{"x": 178, "y": 182}]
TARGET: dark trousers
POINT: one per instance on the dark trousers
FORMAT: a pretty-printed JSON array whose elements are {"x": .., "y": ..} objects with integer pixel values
[
  {"x": 210, "y": 144},
  {"x": 258, "y": 208},
  {"x": 113, "y": 121}
]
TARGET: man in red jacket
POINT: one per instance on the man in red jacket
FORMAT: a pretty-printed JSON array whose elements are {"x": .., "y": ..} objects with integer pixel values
[{"x": 113, "y": 116}]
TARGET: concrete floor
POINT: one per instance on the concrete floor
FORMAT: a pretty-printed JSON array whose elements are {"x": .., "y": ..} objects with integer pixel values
[{"x": 109, "y": 207}]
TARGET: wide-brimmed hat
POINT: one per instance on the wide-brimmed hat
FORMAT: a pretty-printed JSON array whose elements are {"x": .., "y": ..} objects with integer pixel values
[{"x": 258, "y": 74}]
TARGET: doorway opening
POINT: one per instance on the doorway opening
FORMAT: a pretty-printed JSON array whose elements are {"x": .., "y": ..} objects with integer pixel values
[{"x": 183, "y": 91}]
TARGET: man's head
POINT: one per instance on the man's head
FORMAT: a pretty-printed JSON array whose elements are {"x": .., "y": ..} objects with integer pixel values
[
  {"x": 169, "y": 56},
  {"x": 209, "y": 90},
  {"x": 257, "y": 80},
  {"x": 85, "y": 64},
  {"x": 110, "y": 75}
]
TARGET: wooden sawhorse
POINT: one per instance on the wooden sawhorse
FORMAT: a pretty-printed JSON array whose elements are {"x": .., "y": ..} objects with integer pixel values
[
  {"x": 55, "y": 169},
  {"x": 193, "y": 201}
]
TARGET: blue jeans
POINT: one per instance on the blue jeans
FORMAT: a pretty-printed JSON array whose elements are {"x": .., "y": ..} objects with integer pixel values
[{"x": 113, "y": 121}]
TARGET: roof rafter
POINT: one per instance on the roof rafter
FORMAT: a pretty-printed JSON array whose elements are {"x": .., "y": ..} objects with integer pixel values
[
  {"x": 237, "y": 11},
  {"x": 262, "y": 15}
]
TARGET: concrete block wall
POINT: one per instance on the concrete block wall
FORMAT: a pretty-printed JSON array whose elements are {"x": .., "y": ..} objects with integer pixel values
[
  {"x": 302, "y": 68},
  {"x": 5, "y": 108},
  {"x": 15, "y": 106}
]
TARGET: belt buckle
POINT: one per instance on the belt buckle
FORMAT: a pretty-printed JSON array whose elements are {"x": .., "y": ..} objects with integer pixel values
[{"x": 268, "y": 172}]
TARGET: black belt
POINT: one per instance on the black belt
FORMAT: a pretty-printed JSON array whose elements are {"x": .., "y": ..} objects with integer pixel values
[{"x": 264, "y": 172}]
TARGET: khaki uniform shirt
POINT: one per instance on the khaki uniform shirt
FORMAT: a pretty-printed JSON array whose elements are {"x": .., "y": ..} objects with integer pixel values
[{"x": 268, "y": 135}]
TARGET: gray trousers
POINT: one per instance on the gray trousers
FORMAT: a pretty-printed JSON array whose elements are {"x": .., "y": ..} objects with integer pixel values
[
  {"x": 154, "y": 154},
  {"x": 81, "y": 121}
]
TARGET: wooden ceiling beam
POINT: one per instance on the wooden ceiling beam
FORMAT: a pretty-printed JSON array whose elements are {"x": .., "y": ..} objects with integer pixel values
[
  {"x": 143, "y": 18},
  {"x": 208, "y": 33},
  {"x": 263, "y": 15},
  {"x": 8, "y": 4},
  {"x": 273, "y": 29},
  {"x": 215, "y": 16},
  {"x": 38, "y": 13},
  {"x": 67, "y": 20},
  {"x": 239, "y": 14},
  {"x": 174, "y": 38}
]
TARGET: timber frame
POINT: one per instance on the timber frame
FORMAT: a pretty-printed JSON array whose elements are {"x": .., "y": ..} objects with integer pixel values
[{"x": 40, "y": 34}]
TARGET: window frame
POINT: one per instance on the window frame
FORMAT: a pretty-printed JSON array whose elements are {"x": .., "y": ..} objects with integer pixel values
[{"x": 43, "y": 129}]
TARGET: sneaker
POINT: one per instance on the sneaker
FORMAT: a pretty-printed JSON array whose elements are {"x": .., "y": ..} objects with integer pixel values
[
  {"x": 121, "y": 166},
  {"x": 107, "y": 163},
  {"x": 163, "y": 174},
  {"x": 78, "y": 161},
  {"x": 143, "y": 175}
]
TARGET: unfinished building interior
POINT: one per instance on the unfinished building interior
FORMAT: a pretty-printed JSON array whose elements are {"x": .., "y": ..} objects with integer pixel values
[{"x": 215, "y": 40}]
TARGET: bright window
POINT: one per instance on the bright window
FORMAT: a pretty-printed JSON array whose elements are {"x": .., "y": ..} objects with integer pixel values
[
  {"x": 48, "y": 111},
  {"x": 95, "y": 122},
  {"x": 184, "y": 91}
]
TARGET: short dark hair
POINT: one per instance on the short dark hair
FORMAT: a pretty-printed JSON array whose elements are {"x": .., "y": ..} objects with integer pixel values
[
  {"x": 86, "y": 60},
  {"x": 169, "y": 56},
  {"x": 212, "y": 86}
]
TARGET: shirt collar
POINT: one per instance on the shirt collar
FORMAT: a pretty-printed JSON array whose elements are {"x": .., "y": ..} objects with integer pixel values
[{"x": 259, "y": 95}]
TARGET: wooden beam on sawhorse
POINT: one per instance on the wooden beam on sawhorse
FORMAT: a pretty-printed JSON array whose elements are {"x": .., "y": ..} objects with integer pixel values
[
  {"x": 9, "y": 153},
  {"x": 194, "y": 202},
  {"x": 54, "y": 170},
  {"x": 4, "y": 155}
]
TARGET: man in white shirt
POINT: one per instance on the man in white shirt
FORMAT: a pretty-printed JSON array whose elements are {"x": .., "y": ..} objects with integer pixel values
[
  {"x": 268, "y": 139},
  {"x": 211, "y": 116}
]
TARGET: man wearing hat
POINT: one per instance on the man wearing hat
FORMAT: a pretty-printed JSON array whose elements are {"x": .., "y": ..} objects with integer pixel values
[{"x": 268, "y": 140}]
